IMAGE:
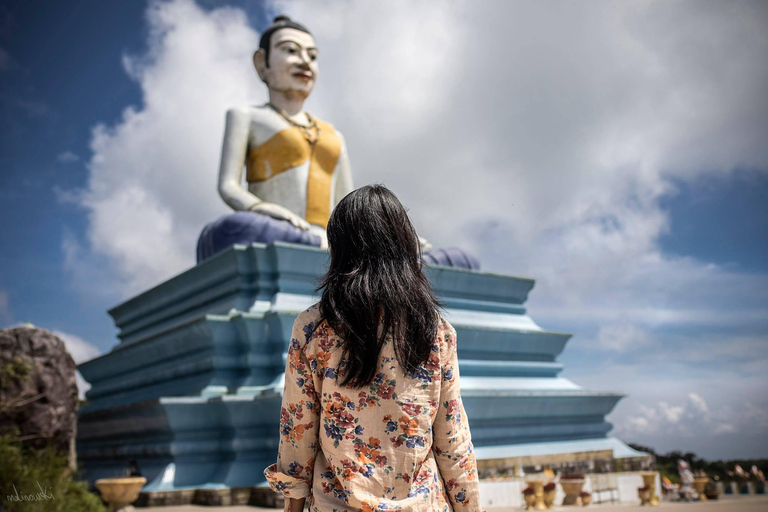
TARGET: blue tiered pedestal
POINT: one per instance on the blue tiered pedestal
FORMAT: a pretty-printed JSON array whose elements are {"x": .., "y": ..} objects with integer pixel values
[{"x": 193, "y": 390}]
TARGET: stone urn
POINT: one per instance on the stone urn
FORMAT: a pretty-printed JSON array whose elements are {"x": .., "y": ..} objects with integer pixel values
[
  {"x": 700, "y": 484},
  {"x": 644, "y": 493},
  {"x": 550, "y": 492},
  {"x": 572, "y": 489},
  {"x": 538, "y": 488},
  {"x": 649, "y": 481},
  {"x": 119, "y": 493},
  {"x": 530, "y": 501},
  {"x": 586, "y": 498}
]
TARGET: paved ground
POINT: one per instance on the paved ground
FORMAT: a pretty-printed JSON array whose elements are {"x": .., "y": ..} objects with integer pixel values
[{"x": 724, "y": 504}]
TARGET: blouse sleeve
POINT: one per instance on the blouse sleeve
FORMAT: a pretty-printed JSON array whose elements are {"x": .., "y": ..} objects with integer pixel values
[
  {"x": 452, "y": 442},
  {"x": 299, "y": 419}
]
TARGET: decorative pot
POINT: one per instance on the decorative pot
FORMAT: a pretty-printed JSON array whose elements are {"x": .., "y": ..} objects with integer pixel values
[
  {"x": 572, "y": 489},
  {"x": 644, "y": 495},
  {"x": 530, "y": 501},
  {"x": 538, "y": 487},
  {"x": 700, "y": 484},
  {"x": 549, "y": 498},
  {"x": 649, "y": 481},
  {"x": 586, "y": 500},
  {"x": 119, "y": 493}
]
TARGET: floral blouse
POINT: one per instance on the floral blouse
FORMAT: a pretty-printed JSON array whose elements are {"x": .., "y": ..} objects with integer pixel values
[{"x": 401, "y": 443}]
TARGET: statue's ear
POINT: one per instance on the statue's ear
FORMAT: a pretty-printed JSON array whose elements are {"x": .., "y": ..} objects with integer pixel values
[{"x": 260, "y": 63}]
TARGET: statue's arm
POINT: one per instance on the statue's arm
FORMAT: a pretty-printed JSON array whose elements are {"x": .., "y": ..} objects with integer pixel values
[
  {"x": 233, "y": 155},
  {"x": 344, "y": 178}
]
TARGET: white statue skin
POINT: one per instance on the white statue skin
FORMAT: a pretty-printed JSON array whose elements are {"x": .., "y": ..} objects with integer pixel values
[{"x": 290, "y": 78}]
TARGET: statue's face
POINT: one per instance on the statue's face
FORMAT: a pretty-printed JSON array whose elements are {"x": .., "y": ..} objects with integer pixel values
[{"x": 292, "y": 62}]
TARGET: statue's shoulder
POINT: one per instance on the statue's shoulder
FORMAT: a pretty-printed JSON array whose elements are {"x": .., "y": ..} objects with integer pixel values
[
  {"x": 261, "y": 121},
  {"x": 253, "y": 112}
]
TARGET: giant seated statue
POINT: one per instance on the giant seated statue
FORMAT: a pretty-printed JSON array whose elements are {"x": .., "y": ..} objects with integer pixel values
[{"x": 296, "y": 165}]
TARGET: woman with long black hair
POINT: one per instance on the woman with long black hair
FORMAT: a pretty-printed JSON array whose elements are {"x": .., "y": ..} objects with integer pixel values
[{"x": 372, "y": 417}]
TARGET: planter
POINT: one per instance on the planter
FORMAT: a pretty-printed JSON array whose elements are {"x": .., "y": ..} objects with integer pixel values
[
  {"x": 649, "y": 481},
  {"x": 549, "y": 498},
  {"x": 644, "y": 495},
  {"x": 700, "y": 484},
  {"x": 538, "y": 487},
  {"x": 572, "y": 489},
  {"x": 586, "y": 500},
  {"x": 530, "y": 501},
  {"x": 119, "y": 493}
]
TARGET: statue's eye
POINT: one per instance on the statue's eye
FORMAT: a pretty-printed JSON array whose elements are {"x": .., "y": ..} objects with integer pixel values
[{"x": 312, "y": 56}]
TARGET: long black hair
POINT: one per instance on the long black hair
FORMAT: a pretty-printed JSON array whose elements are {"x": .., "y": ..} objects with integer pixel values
[{"x": 376, "y": 268}]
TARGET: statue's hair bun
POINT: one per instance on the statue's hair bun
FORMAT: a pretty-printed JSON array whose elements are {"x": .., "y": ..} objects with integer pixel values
[{"x": 281, "y": 21}]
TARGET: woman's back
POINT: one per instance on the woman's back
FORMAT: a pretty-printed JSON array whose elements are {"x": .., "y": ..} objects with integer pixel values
[
  {"x": 400, "y": 443},
  {"x": 374, "y": 422}
]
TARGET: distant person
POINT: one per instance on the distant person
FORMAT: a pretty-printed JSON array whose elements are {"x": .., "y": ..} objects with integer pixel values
[
  {"x": 372, "y": 417},
  {"x": 133, "y": 468}
]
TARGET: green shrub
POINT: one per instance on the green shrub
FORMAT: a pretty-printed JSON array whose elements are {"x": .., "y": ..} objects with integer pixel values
[{"x": 42, "y": 476}]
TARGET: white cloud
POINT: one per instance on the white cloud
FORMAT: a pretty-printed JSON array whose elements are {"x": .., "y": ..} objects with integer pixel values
[
  {"x": 671, "y": 413},
  {"x": 5, "y": 310},
  {"x": 152, "y": 182},
  {"x": 66, "y": 157},
  {"x": 542, "y": 137},
  {"x": 81, "y": 351},
  {"x": 698, "y": 403},
  {"x": 733, "y": 427},
  {"x": 725, "y": 428},
  {"x": 78, "y": 348},
  {"x": 622, "y": 337}
]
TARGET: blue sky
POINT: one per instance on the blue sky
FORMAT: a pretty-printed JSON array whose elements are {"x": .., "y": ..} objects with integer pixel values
[{"x": 612, "y": 155}]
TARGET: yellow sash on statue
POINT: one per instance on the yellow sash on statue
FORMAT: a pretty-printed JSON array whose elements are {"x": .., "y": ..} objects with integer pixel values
[{"x": 287, "y": 149}]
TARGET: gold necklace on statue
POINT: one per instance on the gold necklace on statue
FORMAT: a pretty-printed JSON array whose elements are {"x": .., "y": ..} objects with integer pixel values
[{"x": 311, "y": 133}]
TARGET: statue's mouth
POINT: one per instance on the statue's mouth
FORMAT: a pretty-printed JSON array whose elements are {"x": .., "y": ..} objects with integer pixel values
[{"x": 304, "y": 75}]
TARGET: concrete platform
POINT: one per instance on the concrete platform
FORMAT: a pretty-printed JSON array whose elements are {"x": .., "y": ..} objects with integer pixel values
[{"x": 724, "y": 504}]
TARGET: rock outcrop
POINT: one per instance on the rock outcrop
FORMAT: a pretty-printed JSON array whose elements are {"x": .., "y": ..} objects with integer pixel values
[{"x": 38, "y": 393}]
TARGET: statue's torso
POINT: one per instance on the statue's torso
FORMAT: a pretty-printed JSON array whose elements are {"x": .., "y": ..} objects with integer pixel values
[{"x": 283, "y": 167}]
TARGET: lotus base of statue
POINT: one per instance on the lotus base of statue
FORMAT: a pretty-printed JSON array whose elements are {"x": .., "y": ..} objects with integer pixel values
[
  {"x": 119, "y": 493},
  {"x": 246, "y": 228}
]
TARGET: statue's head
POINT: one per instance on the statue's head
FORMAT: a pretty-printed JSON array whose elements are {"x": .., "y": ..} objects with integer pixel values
[{"x": 287, "y": 57}]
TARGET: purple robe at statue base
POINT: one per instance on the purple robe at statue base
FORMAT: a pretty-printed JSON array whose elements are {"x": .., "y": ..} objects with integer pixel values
[{"x": 245, "y": 228}]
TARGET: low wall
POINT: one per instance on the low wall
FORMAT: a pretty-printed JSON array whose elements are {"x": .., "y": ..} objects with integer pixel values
[{"x": 508, "y": 492}]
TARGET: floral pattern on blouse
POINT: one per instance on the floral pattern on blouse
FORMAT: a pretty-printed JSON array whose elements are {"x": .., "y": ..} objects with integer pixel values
[{"x": 401, "y": 443}]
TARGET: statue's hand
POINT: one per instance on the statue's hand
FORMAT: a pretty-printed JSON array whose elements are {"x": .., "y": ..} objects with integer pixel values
[{"x": 280, "y": 212}]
